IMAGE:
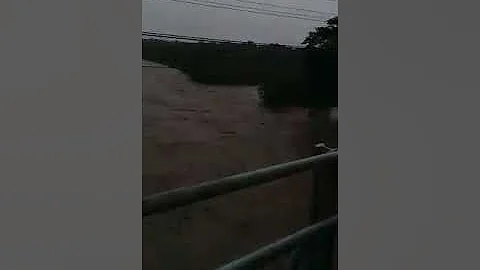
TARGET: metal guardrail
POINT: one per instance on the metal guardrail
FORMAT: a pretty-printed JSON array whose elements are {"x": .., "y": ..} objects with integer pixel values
[
  {"x": 169, "y": 200},
  {"x": 284, "y": 245}
]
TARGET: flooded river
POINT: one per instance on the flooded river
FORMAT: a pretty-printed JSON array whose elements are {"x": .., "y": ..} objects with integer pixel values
[{"x": 194, "y": 133}]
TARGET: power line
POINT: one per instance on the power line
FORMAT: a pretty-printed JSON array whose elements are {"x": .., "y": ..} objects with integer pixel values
[
  {"x": 227, "y": 7},
  {"x": 204, "y": 39},
  {"x": 285, "y": 7},
  {"x": 193, "y": 38},
  {"x": 259, "y": 9}
]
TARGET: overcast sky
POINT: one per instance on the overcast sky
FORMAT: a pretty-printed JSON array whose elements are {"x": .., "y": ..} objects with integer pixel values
[{"x": 166, "y": 16}]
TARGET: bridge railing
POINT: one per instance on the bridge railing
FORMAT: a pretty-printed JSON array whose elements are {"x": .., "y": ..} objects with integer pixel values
[{"x": 172, "y": 199}]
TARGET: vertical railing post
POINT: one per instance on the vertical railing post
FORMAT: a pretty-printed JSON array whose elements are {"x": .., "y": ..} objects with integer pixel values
[
  {"x": 324, "y": 188},
  {"x": 319, "y": 252}
]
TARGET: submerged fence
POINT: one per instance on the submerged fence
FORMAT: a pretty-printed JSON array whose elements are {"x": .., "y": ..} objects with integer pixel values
[{"x": 311, "y": 244}]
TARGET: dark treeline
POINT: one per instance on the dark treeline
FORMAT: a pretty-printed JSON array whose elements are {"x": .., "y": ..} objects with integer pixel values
[{"x": 286, "y": 76}]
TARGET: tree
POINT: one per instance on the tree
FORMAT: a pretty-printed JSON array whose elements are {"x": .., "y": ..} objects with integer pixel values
[
  {"x": 324, "y": 38},
  {"x": 321, "y": 54}
]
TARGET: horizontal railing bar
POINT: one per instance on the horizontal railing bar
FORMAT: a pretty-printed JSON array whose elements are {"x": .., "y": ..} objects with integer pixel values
[
  {"x": 284, "y": 245},
  {"x": 168, "y": 200}
]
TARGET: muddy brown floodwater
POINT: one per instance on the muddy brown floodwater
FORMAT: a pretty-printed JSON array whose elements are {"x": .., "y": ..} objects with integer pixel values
[{"x": 194, "y": 133}]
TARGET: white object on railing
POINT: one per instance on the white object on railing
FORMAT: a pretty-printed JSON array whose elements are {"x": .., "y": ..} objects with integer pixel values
[{"x": 325, "y": 147}]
